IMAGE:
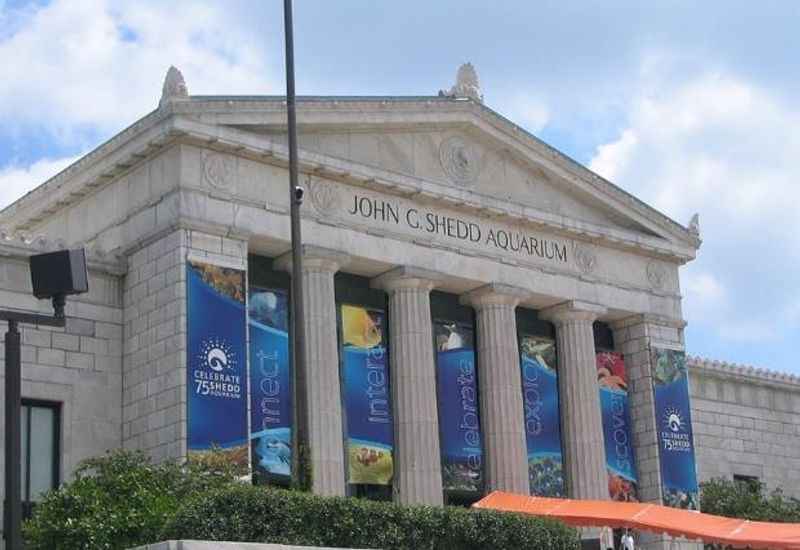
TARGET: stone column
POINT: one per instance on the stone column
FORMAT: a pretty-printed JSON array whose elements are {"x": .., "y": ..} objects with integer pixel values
[
  {"x": 581, "y": 419},
  {"x": 500, "y": 384},
  {"x": 417, "y": 459},
  {"x": 323, "y": 392}
]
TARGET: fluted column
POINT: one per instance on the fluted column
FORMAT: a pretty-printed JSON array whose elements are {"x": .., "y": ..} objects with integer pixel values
[
  {"x": 500, "y": 382},
  {"x": 323, "y": 392},
  {"x": 417, "y": 460},
  {"x": 581, "y": 420}
]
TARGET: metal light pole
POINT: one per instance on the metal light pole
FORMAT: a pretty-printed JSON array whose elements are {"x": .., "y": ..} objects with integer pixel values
[
  {"x": 54, "y": 276},
  {"x": 299, "y": 439}
]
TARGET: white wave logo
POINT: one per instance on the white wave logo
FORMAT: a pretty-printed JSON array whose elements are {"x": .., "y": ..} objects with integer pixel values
[
  {"x": 673, "y": 419},
  {"x": 217, "y": 355}
]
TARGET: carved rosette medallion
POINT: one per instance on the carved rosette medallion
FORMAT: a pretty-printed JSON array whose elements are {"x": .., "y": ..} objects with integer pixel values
[
  {"x": 218, "y": 170},
  {"x": 323, "y": 196},
  {"x": 585, "y": 258},
  {"x": 656, "y": 275},
  {"x": 460, "y": 161}
]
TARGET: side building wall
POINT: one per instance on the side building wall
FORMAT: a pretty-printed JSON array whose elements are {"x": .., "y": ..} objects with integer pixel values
[
  {"x": 746, "y": 422},
  {"x": 78, "y": 366}
]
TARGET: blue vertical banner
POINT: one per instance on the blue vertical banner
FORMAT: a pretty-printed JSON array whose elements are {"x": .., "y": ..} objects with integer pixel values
[
  {"x": 270, "y": 384},
  {"x": 674, "y": 427},
  {"x": 617, "y": 428},
  {"x": 367, "y": 396},
  {"x": 459, "y": 412},
  {"x": 542, "y": 416},
  {"x": 216, "y": 361}
]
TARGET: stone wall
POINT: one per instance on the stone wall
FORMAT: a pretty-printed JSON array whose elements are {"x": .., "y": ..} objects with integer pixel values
[
  {"x": 746, "y": 422},
  {"x": 78, "y": 366},
  {"x": 154, "y": 381}
]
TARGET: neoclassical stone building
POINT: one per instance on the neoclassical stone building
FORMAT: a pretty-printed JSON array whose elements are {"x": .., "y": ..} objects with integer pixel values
[{"x": 432, "y": 223}]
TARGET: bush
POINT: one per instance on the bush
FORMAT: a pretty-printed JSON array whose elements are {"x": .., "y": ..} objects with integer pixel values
[
  {"x": 260, "y": 514},
  {"x": 119, "y": 501},
  {"x": 747, "y": 500}
]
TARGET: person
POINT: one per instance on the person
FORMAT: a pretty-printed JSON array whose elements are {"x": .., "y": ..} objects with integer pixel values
[
  {"x": 607, "y": 538},
  {"x": 627, "y": 541}
]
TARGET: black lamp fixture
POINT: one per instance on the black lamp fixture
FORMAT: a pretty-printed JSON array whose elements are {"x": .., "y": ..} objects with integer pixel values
[{"x": 54, "y": 276}]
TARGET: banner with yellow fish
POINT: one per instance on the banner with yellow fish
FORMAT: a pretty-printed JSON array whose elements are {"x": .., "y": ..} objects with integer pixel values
[{"x": 367, "y": 396}]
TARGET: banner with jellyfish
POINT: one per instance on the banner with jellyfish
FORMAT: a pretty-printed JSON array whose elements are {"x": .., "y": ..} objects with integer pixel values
[
  {"x": 216, "y": 361},
  {"x": 459, "y": 412},
  {"x": 270, "y": 384}
]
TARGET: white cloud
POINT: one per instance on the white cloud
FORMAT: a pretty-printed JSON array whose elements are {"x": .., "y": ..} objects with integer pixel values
[
  {"x": 728, "y": 149},
  {"x": 532, "y": 113},
  {"x": 15, "y": 181},
  {"x": 100, "y": 63}
]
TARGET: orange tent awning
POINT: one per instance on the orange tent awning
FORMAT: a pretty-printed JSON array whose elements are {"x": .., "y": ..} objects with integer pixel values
[{"x": 652, "y": 518}]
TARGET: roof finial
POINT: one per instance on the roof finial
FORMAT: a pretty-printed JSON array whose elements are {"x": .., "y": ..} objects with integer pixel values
[
  {"x": 694, "y": 225},
  {"x": 466, "y": 85},
  {"x": 174, "y": 86}
]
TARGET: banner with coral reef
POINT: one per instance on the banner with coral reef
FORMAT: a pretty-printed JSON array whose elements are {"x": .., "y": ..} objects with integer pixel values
[
  {"x": 617, "y": 428},
  {"x": 367, "y": 396},
  {"x": 216, "y": 361},
  {"x": 542, "y": 416}
]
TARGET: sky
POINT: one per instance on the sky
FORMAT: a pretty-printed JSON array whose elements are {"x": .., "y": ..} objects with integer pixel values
[{"x": 690, "y": 106}]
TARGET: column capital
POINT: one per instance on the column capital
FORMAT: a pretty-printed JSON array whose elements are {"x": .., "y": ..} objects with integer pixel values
[
  {"x": 407, "y": 277},
  {"x": 495, "y": 294},
  {"x": 315, "y": 258},
  {"x": 572, "y": 310}
]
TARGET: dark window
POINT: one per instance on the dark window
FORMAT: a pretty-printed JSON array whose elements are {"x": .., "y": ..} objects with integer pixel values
[
  {"x": 41, "y": 453},
  {"x": 750, "y": 482}
]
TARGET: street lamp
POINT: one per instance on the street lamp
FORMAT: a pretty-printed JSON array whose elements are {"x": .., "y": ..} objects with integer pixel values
[
  {"x": 54, "y": 276},
  {"x": 299, "y": 436}
]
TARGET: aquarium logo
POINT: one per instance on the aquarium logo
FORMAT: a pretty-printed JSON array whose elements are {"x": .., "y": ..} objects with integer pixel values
[
  {"x": 217, "y": 355},
  {"x": 673, "y": 420}
]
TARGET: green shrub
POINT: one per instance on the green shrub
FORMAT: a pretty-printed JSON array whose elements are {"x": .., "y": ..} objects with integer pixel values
[
  {"x": 747, "y": 500},
  {"x": 260, "y": 514},
  {"x": 119, "y": 501}
]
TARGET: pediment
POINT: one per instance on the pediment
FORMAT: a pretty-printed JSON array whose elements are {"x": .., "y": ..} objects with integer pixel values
[{"x": 466, "y": 158}]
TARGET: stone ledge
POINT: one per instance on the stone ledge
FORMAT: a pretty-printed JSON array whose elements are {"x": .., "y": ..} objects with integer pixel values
[
  {"x": 730, "y": 370},
  {"x": 207, "y": 545}
]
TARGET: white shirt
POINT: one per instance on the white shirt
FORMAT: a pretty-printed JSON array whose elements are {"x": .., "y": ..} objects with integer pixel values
[{"x": 627, "y": 542}]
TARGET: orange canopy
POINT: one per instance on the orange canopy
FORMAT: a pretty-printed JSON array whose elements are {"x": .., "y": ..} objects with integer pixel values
[{"x": 653, "y": 518}]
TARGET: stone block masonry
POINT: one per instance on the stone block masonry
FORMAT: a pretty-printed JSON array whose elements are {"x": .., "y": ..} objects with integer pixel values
[
  {"x": 79, "y": 366},
  {"x": 746, "y": 423},
  {"x": 154, "y": 374}
]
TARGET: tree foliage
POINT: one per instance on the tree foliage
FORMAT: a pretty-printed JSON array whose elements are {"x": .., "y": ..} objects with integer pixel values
[
  {"x": 747, "y": 500},
  {"x": 119, "y": 501}
]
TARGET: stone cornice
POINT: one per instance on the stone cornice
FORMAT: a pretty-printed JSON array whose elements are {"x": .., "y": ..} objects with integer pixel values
[
  {"x": 733, "y": 371},
  {"x": 21, "y": 247},
  {"x": 158, "y": 130}
]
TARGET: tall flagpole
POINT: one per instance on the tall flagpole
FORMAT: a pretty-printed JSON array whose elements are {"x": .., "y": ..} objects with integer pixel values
[{"x": 299, "y": 438}]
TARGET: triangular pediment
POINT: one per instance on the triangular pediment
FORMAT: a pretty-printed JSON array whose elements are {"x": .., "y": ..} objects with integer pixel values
[{"x": 478, "y": 151}]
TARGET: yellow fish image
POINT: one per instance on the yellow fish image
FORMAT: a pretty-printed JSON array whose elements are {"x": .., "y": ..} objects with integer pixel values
[{"x": 358, "y": 328}]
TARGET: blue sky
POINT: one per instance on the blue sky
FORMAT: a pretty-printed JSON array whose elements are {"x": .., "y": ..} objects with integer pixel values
[{"x": 691, "y": 106}]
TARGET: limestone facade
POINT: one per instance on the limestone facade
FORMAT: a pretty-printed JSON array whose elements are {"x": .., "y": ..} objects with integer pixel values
[{"x": 412, "y": 194}]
